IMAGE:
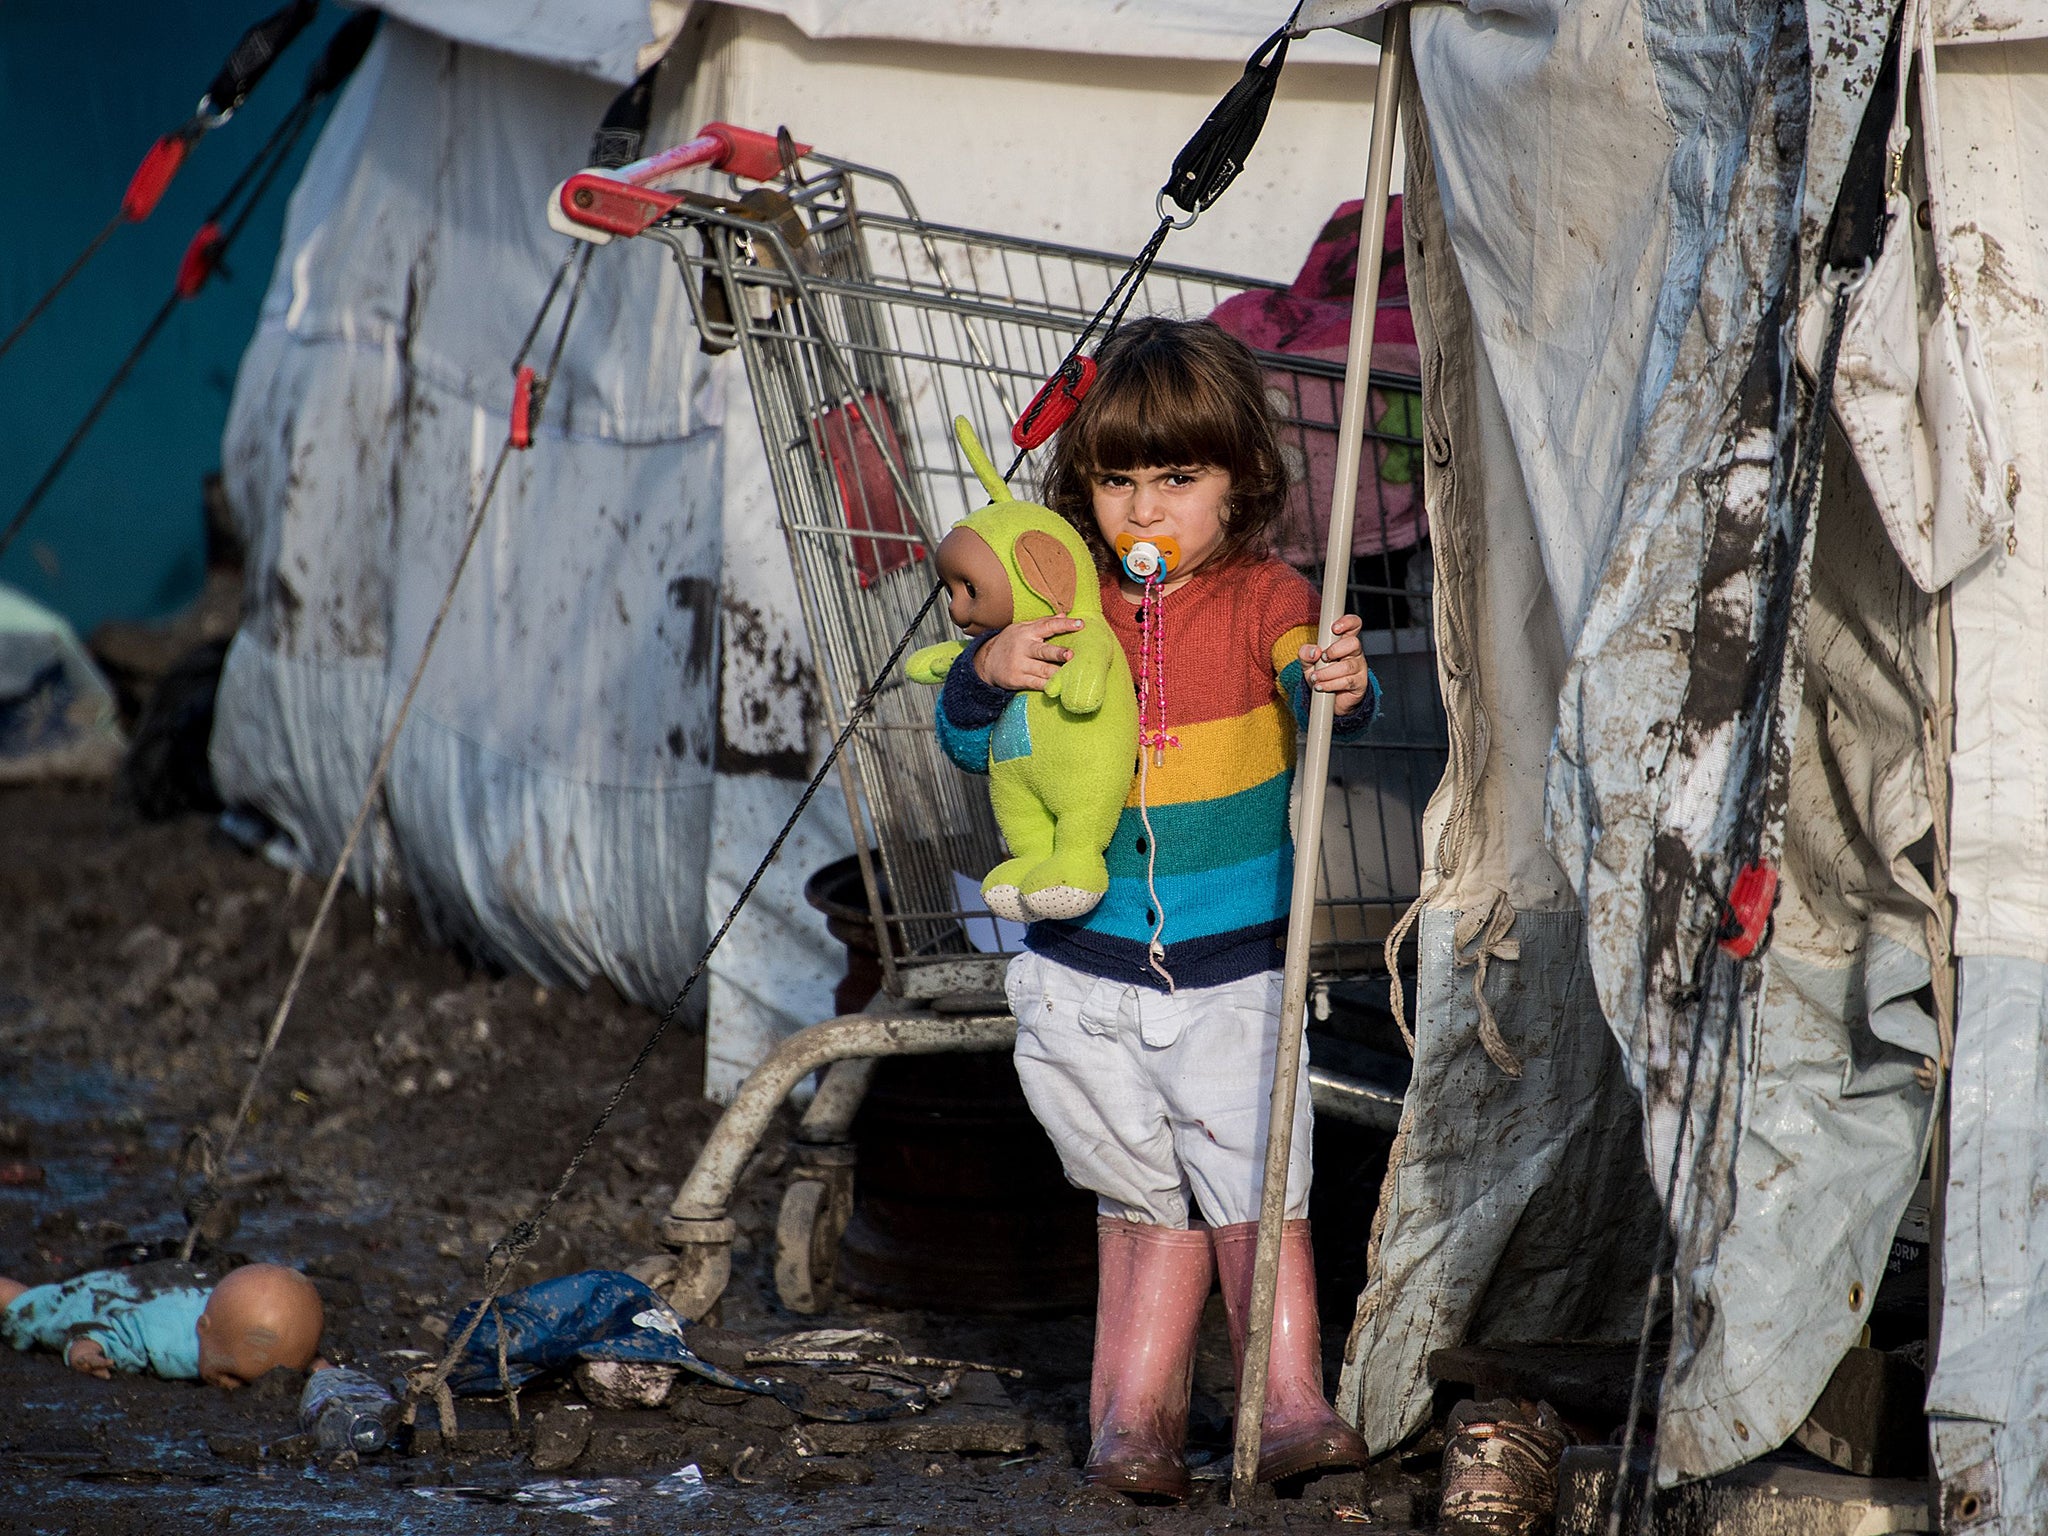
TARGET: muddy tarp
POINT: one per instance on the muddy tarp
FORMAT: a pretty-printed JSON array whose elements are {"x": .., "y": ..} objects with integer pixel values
[
  {"x": 553, "y": 761},
  {"x": 1620, "y": 219}
]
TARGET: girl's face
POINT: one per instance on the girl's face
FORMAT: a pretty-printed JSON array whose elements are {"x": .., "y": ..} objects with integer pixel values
[{"x": 1187, "y": 504}]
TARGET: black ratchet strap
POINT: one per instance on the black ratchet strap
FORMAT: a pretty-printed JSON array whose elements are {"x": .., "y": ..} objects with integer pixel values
[
  {"x": 1856, "y": 231},
  {"x": 624, "y": 129},
  {"x": 343, "y": 53},
  {"x": 1210, "y": 161},
  {"x": 255, "y": 53}
]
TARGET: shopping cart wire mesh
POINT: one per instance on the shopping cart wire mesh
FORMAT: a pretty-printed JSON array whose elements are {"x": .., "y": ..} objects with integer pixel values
[{"x": 864, "y": 331}]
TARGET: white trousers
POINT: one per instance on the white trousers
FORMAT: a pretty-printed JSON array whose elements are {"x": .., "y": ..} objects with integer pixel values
[{"x": 1158, "y": 1102}]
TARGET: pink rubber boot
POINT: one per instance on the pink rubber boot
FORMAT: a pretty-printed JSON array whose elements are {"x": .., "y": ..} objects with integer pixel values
[
  {"x": 1148, "y": 1310},
  {"x": 1302, "y": 1432}
]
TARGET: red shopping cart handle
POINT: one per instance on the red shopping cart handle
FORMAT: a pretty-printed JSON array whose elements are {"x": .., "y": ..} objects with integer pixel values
[
  {"x": 738, "y": 151},
  {"x": 598, "y": 204},
  {"x": 592, "y": 200}
]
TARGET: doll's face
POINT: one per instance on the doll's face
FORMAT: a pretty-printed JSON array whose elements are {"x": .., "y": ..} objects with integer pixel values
[
  {"x": 259, "y": 1317},
  {"x": 978, "y": 596}
]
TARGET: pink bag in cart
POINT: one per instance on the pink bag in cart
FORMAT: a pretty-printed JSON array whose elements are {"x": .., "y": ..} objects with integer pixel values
[{"x": 1312, "y": 318}]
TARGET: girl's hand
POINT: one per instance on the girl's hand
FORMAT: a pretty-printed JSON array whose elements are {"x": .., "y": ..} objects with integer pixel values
[
  {"x": 1023, "y": 657},
  {"x": 1340, "y": 668}
]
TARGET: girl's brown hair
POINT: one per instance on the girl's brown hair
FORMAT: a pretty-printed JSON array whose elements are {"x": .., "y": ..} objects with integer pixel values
[{"x": 1173, "y": 394}]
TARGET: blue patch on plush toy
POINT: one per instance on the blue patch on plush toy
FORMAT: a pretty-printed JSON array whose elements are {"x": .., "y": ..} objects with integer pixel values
[{"x": 1011, "y": 737}]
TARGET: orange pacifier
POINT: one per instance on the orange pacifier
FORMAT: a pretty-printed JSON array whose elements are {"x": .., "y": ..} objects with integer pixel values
[{"x": 1147, "y": 559}]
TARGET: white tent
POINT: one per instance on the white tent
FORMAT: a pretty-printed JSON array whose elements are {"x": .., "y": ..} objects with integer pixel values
[
  {"x": 615, "y": 721},
  {"x": 1615, "y": 217}
]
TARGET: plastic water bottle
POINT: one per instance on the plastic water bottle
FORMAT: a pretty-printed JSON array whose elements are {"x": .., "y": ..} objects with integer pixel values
[{"x": 346, "y": 1410}]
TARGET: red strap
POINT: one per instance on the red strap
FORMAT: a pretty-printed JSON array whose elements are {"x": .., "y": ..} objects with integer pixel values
[
  {"x": 153, "y": 176},
  {"x": 522, "y": 407},
  {"x": 201, "y": 260},
  {"x": 1747, "y": 920},
  {"x": 1055, "y": 401}
]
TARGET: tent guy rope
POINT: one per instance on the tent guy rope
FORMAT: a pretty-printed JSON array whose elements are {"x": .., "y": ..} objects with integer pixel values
[
  {"x": 216, "y": 1159},
  {"x": 244, "y": 68},
  {"x": 211, "y": 243}
]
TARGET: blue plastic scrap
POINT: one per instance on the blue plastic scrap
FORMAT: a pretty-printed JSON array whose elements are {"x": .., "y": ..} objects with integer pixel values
[{"x": 599, "y": 1314}]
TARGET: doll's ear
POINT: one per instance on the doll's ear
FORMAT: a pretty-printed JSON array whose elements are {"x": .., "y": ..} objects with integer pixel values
[{"x": 1047, "y": 568}]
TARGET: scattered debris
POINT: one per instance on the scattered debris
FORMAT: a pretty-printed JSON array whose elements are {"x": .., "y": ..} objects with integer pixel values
[
  {"x": 365, "y": 1200},
  {"x": 347, "y": 1412},
  {"x": 967, "y": 1432},
  {"x": 860, "y": 1346},
  {"x": 625, "y": 1383},
  {"x": 579, "y": 1496},
  {"x": 560, "y": 1435}
]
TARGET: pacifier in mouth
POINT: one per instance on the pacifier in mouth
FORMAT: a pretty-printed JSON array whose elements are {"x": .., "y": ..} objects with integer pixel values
[{"x": 1147, "y": 559}]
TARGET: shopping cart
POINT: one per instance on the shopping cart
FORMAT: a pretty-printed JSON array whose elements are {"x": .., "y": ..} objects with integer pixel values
[{"x": 864, "y": 330}]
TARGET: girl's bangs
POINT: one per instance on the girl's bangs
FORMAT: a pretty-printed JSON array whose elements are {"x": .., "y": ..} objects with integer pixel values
[{"x": 1155, "y": 425}]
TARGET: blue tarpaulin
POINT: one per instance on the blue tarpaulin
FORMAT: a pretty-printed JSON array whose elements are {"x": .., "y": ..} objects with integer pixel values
[{"x": 598, "y": 1314}]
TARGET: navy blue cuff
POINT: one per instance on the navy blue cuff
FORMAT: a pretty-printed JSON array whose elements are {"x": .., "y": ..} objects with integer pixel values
[
  {"x": 1355, "y": 723},
  {"x": 969, "y": 703}
]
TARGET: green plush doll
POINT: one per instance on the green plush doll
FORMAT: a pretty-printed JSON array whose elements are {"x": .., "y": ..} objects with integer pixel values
[{"x": 1059, "y": 762}]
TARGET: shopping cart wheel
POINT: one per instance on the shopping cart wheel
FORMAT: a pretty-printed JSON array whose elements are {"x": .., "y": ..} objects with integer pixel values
[{"x": 815, "y": 1209}]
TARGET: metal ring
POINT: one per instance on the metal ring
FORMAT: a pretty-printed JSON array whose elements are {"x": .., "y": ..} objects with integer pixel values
[
  {"x": 1159, "y": 207},
  {"x": 1849, "y": 284}
]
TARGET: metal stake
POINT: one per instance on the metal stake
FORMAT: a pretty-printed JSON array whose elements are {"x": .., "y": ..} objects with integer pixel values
[{"x": 1315, "y": 763}]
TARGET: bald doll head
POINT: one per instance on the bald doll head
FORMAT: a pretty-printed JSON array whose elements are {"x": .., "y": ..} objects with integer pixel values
[{"x": 259, "y": 1317}]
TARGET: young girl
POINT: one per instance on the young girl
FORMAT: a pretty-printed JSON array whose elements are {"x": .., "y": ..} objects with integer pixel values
[{"x": 1146, "y": 1030}]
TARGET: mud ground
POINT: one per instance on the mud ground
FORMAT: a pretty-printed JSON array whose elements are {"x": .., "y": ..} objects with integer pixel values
[{"x": 415, "y": 1109}]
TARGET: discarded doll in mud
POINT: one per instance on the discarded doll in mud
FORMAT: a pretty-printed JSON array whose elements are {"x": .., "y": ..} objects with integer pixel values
[
  {"x": 172, "y": 1320},
  {"x": 1148, "y": 1023}
]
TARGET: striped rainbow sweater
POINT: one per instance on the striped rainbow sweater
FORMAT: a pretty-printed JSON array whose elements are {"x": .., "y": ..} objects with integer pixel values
[{"x": 1237, "y": 700}]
